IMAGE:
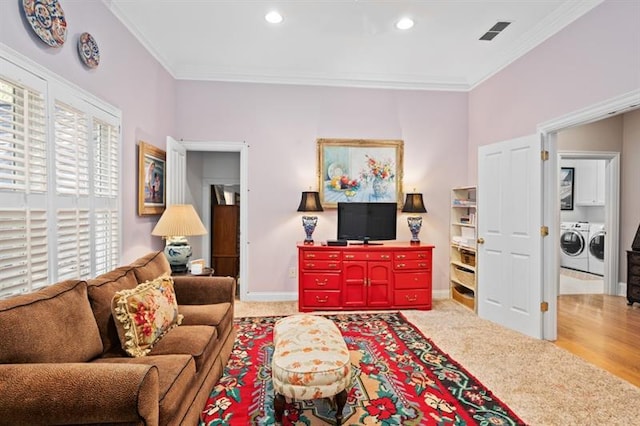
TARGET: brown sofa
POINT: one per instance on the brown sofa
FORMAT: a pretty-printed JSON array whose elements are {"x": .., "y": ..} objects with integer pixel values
[{"x": 61, "y": 361}]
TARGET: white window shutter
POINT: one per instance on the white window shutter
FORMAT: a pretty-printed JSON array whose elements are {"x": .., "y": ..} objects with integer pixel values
[
  {"x": 74, "y": 255},
  {"x": 23, "y": 162},
  {"x": 106, "y": 139},
  {"x": 106, "y": 240},
  {"x": 24, "y": 263},
  {"x": 72, "y": 158}
]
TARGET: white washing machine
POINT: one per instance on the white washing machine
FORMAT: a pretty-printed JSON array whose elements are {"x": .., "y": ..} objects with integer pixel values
[
  {"x": 574, "y": 237},
  {"x": 596, "y": 248}
]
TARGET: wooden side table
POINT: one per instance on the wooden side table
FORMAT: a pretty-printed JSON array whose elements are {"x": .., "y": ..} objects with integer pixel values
[{"x": 206, "y": 272}]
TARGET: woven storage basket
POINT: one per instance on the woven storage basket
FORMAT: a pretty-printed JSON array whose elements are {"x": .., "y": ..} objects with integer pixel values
[
  {"x": 465, "y": 277},
  {"x": 468, "y": 257}
]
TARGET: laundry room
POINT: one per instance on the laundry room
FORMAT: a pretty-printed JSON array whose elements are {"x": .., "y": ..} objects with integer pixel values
[{"x": 584, "y": 154}]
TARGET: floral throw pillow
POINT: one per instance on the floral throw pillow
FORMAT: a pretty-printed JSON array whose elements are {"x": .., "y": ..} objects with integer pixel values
[{"x": 144, "y": 314}]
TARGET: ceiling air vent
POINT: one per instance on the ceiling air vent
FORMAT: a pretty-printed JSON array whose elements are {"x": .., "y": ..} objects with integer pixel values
[{"x": 494, "y": 31}]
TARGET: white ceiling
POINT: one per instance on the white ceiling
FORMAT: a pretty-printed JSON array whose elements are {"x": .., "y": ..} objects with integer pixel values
[{"x": 343, "y": 42}]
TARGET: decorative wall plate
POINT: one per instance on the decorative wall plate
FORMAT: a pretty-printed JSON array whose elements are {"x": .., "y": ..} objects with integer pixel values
[
  {"x": 88, "y": 50},
  {"x": 46, "y": 18}
]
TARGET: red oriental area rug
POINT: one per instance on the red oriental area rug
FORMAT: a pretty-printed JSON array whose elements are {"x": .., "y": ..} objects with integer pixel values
[{"x": 399, "y": 377}]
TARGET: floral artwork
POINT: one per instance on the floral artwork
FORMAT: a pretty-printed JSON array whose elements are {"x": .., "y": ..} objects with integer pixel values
[{"x": 359, "y": 171}]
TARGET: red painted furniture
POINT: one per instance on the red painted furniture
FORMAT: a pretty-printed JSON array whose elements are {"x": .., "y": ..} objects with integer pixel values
[{"x": 356, "y": 277}]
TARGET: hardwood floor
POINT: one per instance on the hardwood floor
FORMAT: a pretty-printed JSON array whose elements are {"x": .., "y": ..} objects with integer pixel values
[{"x": 603, "y": 330}]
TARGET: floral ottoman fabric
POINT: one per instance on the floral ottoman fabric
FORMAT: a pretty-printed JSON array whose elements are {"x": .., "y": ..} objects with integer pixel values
[{"x": 310, "y": 359}]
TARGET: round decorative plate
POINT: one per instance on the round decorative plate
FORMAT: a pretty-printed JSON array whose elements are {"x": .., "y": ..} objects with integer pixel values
[
  {"x": 46, "y": 18},
  {"x": 88, "y": 50}
]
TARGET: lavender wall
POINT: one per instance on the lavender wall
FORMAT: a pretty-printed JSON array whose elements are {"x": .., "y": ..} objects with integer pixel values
[
  {"x": 128, "y": 78},
  {"x": 281, "y": 124},
  {"x": 594, "y": 59}
]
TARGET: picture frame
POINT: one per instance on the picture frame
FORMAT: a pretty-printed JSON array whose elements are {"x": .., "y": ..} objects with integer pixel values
[
  {"x": 152, "y": 180},
  {"x": 359, "y": 170},
  {"x": 567, "y": 176}
]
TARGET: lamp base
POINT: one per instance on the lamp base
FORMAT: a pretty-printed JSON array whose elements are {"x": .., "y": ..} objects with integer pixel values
[
  {"x": 309, "y": 223},
  {"x": 178, "y": 255},
  {"x": 415, "y": 223}
]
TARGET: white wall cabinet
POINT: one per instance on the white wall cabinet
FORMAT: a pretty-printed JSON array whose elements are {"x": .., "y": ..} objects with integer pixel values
[{"x": 589, "y": 182}]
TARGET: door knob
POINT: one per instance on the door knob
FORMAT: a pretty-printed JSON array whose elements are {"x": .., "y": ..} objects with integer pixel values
[{"x": 480, "y": 240}]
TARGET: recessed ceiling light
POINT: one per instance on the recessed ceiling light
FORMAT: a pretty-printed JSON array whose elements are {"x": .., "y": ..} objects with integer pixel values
[
  {"x": 404, "y": 24},
  {"x": 273, "y": 17}
]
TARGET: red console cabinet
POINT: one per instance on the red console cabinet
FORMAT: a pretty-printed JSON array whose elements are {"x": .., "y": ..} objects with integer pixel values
[{"x": 389, "y": 276}]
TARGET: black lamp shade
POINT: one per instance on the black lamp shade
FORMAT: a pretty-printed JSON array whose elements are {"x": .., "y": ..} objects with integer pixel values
[
  {"x": 310, "y": 202},
  {"x": 413, "y": 204}
]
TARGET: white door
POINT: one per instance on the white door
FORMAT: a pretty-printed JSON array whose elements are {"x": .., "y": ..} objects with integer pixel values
[
  {"x": 176, "y": 172},
  {"x": 509, "y": 241}
]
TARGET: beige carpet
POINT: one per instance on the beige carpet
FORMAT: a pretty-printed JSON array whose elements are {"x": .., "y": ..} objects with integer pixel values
[{"x": 540, "y": 382}]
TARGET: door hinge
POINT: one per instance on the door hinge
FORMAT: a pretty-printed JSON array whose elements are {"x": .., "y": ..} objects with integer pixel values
[
  {"x": 544, "y": 155},
  {"x": 544, "y": 230},
  {"x": 544, "y": 306}
]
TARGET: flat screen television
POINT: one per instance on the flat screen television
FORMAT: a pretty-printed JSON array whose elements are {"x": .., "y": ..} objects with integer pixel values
[{"x": 367, "y": 221}]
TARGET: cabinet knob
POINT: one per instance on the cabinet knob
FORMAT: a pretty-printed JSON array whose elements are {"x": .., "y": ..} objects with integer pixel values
[
  {"x": 400, "y": 256},
  {"x": 401, "y": 265},
  {"x": 422, "y": 265},
  {"x": 323, "y": 300},
  {"x": 333, "y": 256},
  {"x": 421, "y": 256},
  {"x": 411, "y": 298},
  {"x": 480, "y": 240},
  {"x": 384, "y": 256},
  {"x": 310, "y": 256},
  {"x": 349, "y": 256}
]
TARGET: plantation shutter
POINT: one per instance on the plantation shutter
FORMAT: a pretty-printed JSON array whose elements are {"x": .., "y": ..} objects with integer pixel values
[
  {"x": 106, "y": 240},
  {"x": 23, "y": 160},
  {"x": 105, "y": 175},
  {"x": 74, "y": 254},
  {"x": 23, "y": 250},
  {"x": 72, "y": 158}
]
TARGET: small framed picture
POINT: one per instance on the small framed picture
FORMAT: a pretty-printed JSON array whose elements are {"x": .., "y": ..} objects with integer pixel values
[
  {"x": 566, "y": 188},
  {"x": 151, "y": 180}
]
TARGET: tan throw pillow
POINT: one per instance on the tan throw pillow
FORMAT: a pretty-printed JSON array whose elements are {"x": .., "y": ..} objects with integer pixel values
[{"x": 144, "y": 314}]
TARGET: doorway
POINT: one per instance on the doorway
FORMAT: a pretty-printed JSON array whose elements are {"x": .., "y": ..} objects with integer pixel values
[
  {"x": 243, "y": 241},
  {"x": 585, "y": 220},
  {"x": 551, "y": 208}
]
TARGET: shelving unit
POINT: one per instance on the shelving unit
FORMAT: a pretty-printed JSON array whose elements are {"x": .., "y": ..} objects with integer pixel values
[{"x": 462, "y": 241}]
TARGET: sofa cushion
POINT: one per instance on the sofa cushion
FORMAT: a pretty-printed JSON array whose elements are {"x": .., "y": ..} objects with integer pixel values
[
  {"x": 54, "y": 324},
  {"x": 176, "y": 375},
  {"x": 219, "y": 315},
  {"x": 151, "y": 266},
  {"x": 101, "y": 291},
  {"x": 145, "y": 314},
  {"x": 200, "y": 341}
]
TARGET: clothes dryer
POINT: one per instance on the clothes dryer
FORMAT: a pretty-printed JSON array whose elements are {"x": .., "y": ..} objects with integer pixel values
[
  {"x": 574, "y": 237},
  {"x": 596, "y": 248}
]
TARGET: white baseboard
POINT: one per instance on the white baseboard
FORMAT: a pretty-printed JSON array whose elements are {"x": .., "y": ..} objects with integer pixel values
[
  {"x": 269, "y": 296},
  {"x": 622, "y": 289}
]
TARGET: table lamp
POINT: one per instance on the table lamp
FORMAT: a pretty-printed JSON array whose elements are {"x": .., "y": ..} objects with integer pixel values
[
  {"x": 176, "y": 223},
  {"x": 310, "y": 202},
  {"x": 414, "y": 204}
]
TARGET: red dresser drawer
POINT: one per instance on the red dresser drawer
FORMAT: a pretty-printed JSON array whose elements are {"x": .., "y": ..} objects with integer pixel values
[
  {"x": 321, "y": 299},
  {"x": 400, "y": 265},
  {"x": 321, "y": 255},
  {"x": 419, "y": 280},
  {"x": 322, "y": 265},
  {"x": 322, "y": 281},
  {"x": 409, "y": 298},
  {"x": 372, "y": 255},
  {"x": 412, "y": 255}
]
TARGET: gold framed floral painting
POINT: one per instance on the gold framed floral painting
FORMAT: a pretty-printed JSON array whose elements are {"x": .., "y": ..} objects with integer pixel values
[{"x": 359, "y": 170}]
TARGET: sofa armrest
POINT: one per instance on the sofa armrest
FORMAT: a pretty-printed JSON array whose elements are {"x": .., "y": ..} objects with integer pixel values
[
  {"x": 197, "y": 290},
  {"x": 87, "y": 393}
]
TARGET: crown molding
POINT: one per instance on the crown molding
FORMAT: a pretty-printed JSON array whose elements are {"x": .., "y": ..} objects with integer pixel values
[{"x": 552, "y": 24}]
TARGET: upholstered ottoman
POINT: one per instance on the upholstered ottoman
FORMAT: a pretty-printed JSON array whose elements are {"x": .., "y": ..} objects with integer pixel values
[{"x": 310, "y": 361}]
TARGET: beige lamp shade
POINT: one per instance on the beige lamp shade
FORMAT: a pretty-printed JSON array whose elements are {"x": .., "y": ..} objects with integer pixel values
[{"x": 179, "y": 220}]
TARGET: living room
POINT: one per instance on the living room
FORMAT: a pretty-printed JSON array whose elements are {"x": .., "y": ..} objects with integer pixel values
[{"x": 576, "y": 68}]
